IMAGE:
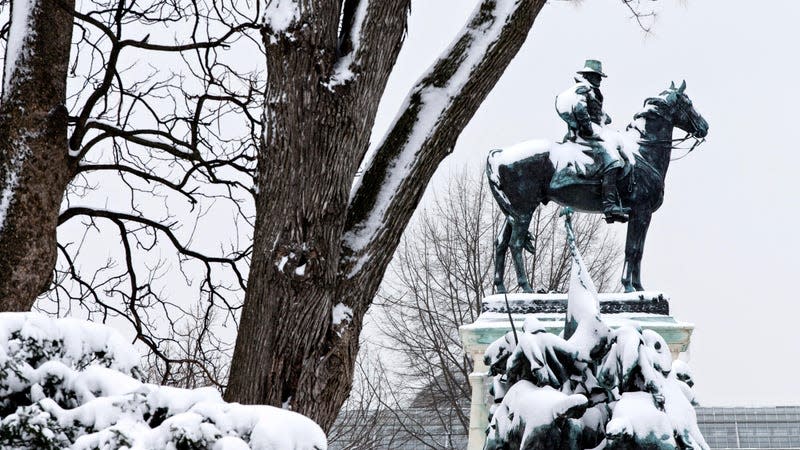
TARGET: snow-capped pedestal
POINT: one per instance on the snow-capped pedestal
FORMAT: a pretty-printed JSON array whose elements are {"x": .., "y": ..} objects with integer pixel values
[{"x": 648, "y": 310}]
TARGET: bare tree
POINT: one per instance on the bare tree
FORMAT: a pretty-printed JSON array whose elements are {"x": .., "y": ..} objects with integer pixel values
[
  {"x": 316, "y": 245},
  {"x": 323, "y": 236},
  {"x": 147, "y": 101},
  {"x": 441, "y": 272},
  {"x": 367, "y": 419},
  {"x": 177, "y": 123}
]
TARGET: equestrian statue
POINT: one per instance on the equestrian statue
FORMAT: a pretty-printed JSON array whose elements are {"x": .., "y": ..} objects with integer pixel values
[{"x": 594, "y": 169}]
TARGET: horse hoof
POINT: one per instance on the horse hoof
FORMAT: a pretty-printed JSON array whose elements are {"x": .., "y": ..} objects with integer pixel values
[
  {"x": 500, "y": 289},
  {"x": 526, "y": 288}
]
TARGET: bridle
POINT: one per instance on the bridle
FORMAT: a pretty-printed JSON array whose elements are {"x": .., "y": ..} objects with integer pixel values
[
  {"x": 675, "y": 143},
  {"x": 697, "y": 142}
]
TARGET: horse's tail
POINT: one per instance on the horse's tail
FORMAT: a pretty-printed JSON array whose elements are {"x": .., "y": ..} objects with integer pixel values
[{"x": 492, "y": 175}]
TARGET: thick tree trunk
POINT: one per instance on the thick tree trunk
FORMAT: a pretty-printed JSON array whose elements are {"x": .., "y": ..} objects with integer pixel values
[
  {"x": 316, "y": 251},
  {"x": 317, "y": 130},
  {"x": 35, "y": 166}
]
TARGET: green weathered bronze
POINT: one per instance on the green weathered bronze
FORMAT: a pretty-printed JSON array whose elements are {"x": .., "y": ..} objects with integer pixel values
[
  {"x": 581, "y": 107},
  {"x": 520, "y": 186}
]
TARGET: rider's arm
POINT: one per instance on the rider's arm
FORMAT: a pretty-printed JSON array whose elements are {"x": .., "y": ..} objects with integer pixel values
[
  {"x": 581, "y": 112},
  {"x": 585, "y": 129}
]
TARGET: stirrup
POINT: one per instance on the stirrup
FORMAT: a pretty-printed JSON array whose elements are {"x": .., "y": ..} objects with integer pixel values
[{"x": 612, "y": 216}]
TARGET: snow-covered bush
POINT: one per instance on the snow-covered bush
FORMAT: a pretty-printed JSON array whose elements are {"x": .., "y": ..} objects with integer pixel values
[
  {"x": 69, "y": 384},
  {"x": 593, "y": 388}
]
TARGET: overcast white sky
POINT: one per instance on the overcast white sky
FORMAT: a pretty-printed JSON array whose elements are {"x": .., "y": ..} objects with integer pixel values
[{"x": 724, "y": 244}]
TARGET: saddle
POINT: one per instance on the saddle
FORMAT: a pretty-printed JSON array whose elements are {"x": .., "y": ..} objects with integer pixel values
[{"x": 583, "y": 163}]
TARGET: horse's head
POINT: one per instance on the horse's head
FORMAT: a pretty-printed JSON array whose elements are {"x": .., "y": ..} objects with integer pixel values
[{"x": 676, "y": 106}]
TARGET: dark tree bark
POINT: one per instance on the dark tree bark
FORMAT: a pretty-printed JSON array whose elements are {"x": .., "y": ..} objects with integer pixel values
[
  {"x": 316, "y": 248},
  {"x": 35, "y": 165},
  {"x": 324, "y": 234},
  {"x": 72, "y": 121}
]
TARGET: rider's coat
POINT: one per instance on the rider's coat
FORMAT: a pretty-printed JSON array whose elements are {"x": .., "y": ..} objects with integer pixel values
[{"x": 580, "y": 106}]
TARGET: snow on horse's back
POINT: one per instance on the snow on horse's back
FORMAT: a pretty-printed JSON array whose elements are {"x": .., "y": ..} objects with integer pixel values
[
  {"x": 619, "y": 144},
  {"x": 511, "y": 154}
]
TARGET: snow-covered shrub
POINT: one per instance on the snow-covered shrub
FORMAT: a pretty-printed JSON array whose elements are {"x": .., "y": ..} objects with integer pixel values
[
  {"x": 68, "y": 384},
  {"x": 593, "y": 388},
  {"x": 637, "y": 399},
  {"x": 536, "y": 417}
]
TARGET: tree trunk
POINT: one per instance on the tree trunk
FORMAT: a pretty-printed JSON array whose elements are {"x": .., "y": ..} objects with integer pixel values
[
  {"x": 316, "y": 252},
  {"x": 35, "y": 165}
]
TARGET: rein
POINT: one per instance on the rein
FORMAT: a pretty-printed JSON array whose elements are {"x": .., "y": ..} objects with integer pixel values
[
  {"x": 697, "y": 142},
  {"x": 674, "y": 144}
]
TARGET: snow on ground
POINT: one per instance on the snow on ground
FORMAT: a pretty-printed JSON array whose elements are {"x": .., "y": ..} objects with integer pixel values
[{"x": 69, "y": 384}]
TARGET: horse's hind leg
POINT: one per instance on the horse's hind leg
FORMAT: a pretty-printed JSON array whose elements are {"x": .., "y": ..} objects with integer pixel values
[
  {"x": 500, "y": 248},
  {"x": 634, "y": 249},
  {"x": 519, "y": 238}
]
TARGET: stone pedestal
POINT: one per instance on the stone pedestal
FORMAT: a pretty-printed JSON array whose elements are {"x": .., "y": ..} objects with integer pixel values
[{"x": 650, "y": 310}]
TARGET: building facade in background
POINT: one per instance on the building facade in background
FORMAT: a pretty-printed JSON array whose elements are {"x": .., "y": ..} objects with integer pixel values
[{"x": 723, "y": 428}]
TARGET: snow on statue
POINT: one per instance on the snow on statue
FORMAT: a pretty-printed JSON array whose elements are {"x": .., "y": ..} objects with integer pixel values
[
  {"x": 69, "y": 384},
  {"x": 593, "y": 388},
  {"x": 596, "y": 169}
]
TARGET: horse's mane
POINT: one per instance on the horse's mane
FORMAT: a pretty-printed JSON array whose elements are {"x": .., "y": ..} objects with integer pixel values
[
  {"x": 658, "y": 106},
  {"x": 652, "y": 106}
]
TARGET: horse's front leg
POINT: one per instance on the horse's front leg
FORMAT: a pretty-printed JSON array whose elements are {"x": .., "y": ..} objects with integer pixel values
[
  {"x": 634, "y": 248},
  {"x": 500, "y": 247}
]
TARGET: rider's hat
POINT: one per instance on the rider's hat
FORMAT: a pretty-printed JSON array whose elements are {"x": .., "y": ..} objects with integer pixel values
[{"x": 593, "y": 66}]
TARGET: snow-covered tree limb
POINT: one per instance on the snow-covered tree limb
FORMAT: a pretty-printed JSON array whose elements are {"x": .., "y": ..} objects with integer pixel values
[
  {"x": 33, "y": 163},
  {"x": 166, "y": 229},
  {"x": 371, "y": 37},
  {"x": 425, "y": 131}
]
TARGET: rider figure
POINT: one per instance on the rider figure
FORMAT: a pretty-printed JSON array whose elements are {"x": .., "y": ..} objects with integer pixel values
[{"x": 581, "y": 106}]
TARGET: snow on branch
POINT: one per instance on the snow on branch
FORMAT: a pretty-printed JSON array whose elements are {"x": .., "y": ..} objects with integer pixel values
[
  {"x": 344, "y": 70},
  {"x": 18, "y": 49},
  {"x": 279, "y": 16},
  {"x": 371, "y": 34},
  {"x": 432, "y": 117},
  {"x": 12, "y": 169}
]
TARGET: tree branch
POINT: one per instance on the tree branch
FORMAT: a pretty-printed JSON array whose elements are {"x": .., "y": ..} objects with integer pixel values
[
  {"x": 435, "y": 112},
  {"x": 164, "y": 228},
  {"x": 370, "y": 40}
]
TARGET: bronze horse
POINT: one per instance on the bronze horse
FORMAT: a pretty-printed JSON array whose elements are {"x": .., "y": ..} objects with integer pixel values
[{"x": 520, "y": 182}]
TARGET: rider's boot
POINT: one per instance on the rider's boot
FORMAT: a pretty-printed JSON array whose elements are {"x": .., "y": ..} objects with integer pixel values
[{"x": 612, "y": 208}]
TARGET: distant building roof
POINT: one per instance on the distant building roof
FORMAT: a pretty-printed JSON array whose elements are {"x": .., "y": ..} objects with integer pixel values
[{"x": 723, "y": 428}]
